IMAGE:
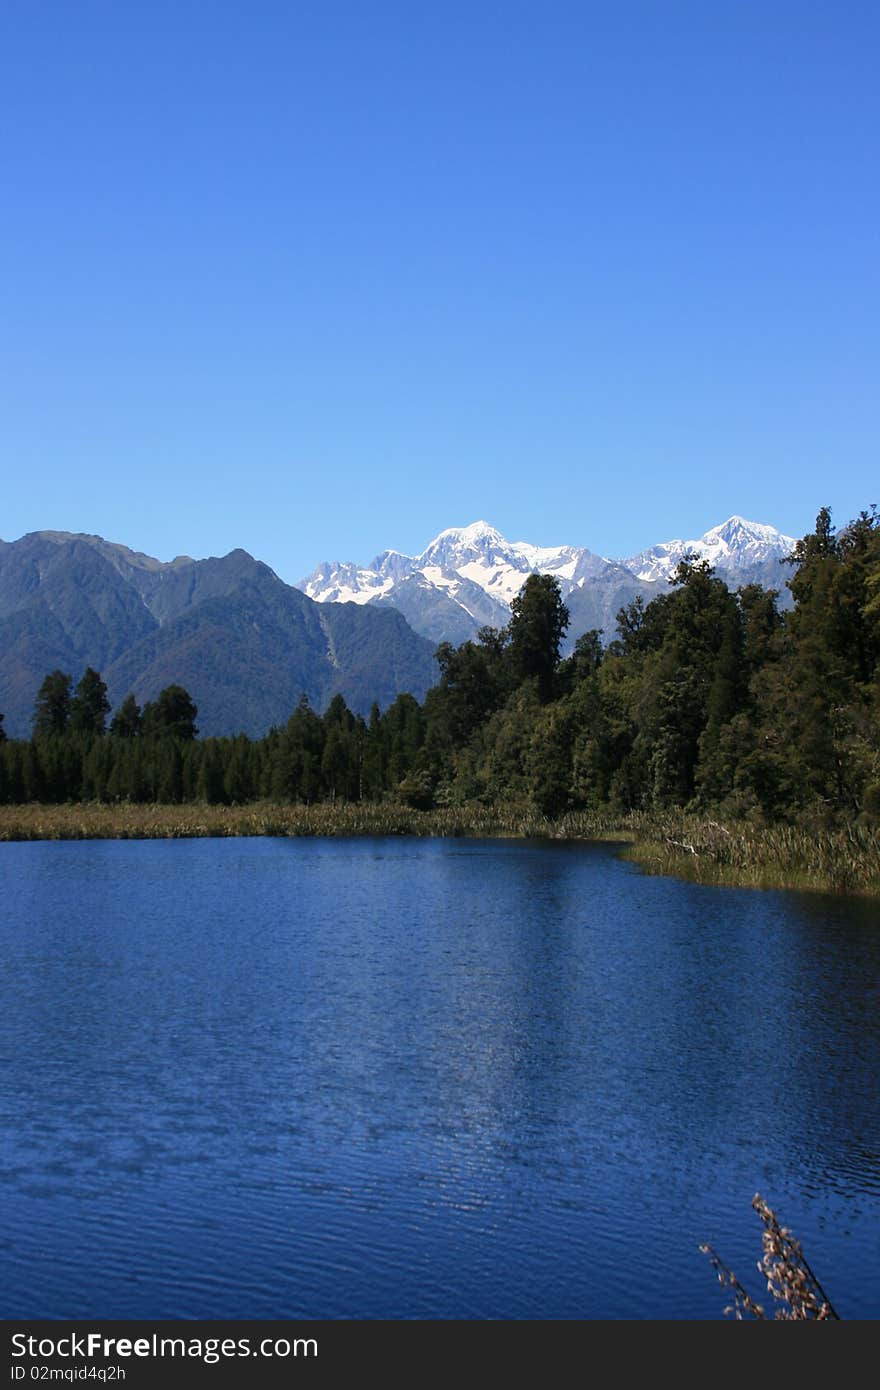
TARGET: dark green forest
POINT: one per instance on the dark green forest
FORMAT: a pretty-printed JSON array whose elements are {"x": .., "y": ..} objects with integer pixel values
[{"x": 705, "y": 700}]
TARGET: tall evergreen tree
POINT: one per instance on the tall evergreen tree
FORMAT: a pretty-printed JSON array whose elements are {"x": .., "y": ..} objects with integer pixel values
[
  {"x": 52, "y": 708},
  {"x": 539, "y": 621},
  {"x": 126, "y": 722},
  {"x": 294, "y": 759},
  {"x": 90, "y": 706}
]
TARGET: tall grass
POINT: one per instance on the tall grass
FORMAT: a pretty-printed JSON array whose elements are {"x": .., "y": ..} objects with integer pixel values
[
  {"x": 844, "y": 859},
  {"x": 839, "y": 859},
  {"x": 125, "y": 821}
]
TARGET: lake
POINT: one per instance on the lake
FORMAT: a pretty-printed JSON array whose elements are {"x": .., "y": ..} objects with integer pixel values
[{"x": 388, "y": 1078}]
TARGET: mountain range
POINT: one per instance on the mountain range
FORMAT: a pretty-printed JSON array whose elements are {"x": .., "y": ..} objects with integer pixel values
[
  {"x": 467, "y": 576},
  {"x": 247, "y": 646}
]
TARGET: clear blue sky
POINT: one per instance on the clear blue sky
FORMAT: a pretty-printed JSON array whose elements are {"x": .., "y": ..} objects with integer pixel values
[{"x": 321, "y": 278}]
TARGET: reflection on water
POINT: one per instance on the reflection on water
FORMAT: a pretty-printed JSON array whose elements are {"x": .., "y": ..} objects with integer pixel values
[{"x": 293, "y": 1078}]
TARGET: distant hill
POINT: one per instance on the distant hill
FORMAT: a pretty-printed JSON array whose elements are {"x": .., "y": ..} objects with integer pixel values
[{"x": 245, "y": 644}]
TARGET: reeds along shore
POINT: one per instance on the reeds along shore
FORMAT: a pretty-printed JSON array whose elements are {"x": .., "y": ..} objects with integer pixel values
[{"x": 840, "y": 859}]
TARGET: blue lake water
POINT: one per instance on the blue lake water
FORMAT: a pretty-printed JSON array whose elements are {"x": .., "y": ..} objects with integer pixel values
[{"x": 423, "y": 1078}]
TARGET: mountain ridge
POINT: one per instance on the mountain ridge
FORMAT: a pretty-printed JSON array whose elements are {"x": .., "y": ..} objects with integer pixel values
[
  {"x": 467, "y": 576},
  {"x": 245, "y": 644}
]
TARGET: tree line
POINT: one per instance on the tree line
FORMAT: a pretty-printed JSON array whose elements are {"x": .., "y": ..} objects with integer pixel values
[{"x": 705, "y": 698}]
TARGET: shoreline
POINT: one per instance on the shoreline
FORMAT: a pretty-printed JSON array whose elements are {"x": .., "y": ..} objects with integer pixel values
[{"x": 695, "y": 849}]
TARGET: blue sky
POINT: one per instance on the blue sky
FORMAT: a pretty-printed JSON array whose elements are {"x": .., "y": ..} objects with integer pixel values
[{"x": 318, "y": 279}]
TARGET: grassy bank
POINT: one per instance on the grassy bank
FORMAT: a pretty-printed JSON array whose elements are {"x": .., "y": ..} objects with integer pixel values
[
  {"x": 702, "y": 850},
  {"x": 844, "y": 859},
  {"x": 126, "y": 821}
]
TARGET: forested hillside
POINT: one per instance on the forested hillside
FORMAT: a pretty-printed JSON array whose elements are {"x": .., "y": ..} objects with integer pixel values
[{"x": 244, "y": 643}]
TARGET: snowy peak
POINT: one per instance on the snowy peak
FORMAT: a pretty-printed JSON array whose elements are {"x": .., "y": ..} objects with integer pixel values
[
  {"x": 741, "y": 536},
  {"x": 738, "y": 549},
  {"x": 481, "y": 555},
  {"x": 479, "y": 543},
  {"x": 334, "y": 582},
  {"x": 391, "y": 564},
  {"x": 478, "y": 533},
  {"x": 478, "y": 554},
  {"x": 737, "y": 531}
]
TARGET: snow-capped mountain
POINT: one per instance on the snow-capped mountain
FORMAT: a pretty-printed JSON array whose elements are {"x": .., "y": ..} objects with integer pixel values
[
  {"x": 467, "y": 576},
  {"x": 480, "y": 553},
  {"x": 335, "y": 582},
  {"x": 741, "y": 550}
]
